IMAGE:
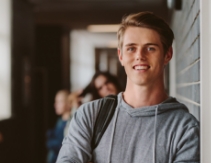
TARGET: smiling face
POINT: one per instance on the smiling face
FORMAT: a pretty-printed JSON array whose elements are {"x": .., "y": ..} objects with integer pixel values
[{"x": 142, "y": 56}]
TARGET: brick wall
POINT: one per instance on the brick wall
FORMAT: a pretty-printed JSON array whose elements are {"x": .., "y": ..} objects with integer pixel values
[{"x": 186, "y": 27}]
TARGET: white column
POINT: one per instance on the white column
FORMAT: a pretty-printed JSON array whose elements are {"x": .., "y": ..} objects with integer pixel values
[
  {"x": 172, "y": 73},
  {"x": 205, "y": 70}
]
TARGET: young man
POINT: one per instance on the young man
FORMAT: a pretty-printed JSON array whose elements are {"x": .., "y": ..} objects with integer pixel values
[{"x": 148, "y": 126}]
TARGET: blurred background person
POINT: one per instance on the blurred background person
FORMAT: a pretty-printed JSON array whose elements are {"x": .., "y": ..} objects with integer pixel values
[
  {"x": 74, "y": 101},
  {"x": 56, "y": 135},
  {"x": 101, "y": 85}
]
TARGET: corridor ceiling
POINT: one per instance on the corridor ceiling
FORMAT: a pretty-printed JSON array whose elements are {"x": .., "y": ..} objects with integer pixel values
[{"x": 80, "y": 13}]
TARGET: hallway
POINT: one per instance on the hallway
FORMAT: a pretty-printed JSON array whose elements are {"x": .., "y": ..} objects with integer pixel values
[{"x": 51, "y": 48}]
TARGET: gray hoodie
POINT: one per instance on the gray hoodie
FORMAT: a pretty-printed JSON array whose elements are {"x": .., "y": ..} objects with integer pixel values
[{"x": 163, "y": 133}]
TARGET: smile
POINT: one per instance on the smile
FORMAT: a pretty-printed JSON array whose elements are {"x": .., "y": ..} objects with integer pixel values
[{"x": 141, "y": 67}]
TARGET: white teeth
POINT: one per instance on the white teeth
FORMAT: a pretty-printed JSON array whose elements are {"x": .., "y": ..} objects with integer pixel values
[{"x": 141, "y": 67}]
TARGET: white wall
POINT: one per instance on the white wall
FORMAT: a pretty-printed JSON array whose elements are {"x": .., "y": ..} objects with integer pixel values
[
  {"x": 82, "y": 56},
  {"x": 186, "y": 26},
  {"x": 205, "y": 50},
  {"x": 5, "y": 59},
  {"x": 172, "y": 73}
]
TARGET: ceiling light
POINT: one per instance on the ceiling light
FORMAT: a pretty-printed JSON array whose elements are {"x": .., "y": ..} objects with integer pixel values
[{"x": 103, "y": 28}]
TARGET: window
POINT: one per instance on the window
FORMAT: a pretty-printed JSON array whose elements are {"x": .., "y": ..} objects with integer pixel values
[{"x": 5, "y": 59}]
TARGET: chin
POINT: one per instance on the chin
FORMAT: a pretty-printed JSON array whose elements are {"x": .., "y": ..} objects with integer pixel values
[
  {"x": 58, "y": 113},
  {"x": 141, "y": 82},
  {"x": 111, "y": 93}
]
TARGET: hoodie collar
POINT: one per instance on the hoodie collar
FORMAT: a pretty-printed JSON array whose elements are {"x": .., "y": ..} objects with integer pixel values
[{"x": 167, "y": 105}]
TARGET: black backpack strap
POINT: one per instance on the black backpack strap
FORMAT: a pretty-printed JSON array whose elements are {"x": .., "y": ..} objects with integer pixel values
[{"x": 104, "y": 117}]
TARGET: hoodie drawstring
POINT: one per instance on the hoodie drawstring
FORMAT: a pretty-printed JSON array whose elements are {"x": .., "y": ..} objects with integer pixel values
[{"x": 155, "y": 135}]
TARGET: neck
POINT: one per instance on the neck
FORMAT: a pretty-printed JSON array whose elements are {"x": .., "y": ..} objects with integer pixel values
[{"x": 139, "y": 96}]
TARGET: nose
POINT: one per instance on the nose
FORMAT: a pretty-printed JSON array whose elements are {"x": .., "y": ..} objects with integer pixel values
[
  {"x": 105, "y": 87},
  {"x": 141, "y": 55}
]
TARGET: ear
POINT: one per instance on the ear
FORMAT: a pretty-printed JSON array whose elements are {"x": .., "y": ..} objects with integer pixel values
[
  {"x": 168, "y": 55},
  {"x": 120, "y": 56}
]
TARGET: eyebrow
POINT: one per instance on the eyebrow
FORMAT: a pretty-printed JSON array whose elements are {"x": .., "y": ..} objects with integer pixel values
[
  {"x": 154, "y": 44},
  {"x": 132, "y": 44}
]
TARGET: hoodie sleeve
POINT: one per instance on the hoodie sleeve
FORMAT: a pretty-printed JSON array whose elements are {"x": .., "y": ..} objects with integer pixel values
[
  {"x": 76, "y": 146},
  {"x": 188, "y": 147}
]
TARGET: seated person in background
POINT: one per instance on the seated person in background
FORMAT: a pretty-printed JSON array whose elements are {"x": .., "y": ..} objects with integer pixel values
[
  {"x": 74, "y": 101},
  {"x": 56, "y": 135},
  {"x": 101, "y": 85}
]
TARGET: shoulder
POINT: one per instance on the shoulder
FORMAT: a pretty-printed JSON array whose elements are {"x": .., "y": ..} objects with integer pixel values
[
  {"x": 178, "y": 115},
  {"x": 183, "y": 119},
  {"x": 92, "y": 106},
  {"x": 186, "y": 117},
  {"x": 89, "y": 110},
  {"x": 188, "y": 123}
]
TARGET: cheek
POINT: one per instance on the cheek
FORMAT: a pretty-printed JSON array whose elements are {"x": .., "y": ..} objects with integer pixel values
[
  {"x": 101, "y": 93},
  {"x": 61, "y": 107},
  {"x": 126, "y": 60},
  {"x": 58, "y": 111},
  {"x": 113, "y": 88},
  {"x": 159, "y": 66}
]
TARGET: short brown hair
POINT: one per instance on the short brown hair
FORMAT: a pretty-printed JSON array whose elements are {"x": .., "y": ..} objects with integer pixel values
[{"x": 147, "y": 20}]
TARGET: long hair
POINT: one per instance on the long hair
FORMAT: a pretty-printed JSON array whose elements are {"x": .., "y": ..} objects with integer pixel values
[{"x": 91, "y": 88}]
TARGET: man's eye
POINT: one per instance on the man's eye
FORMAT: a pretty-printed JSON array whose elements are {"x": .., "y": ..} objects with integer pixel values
[
  {"x": 151, "y": 49},
  {"x": 131, "y": 49}
]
